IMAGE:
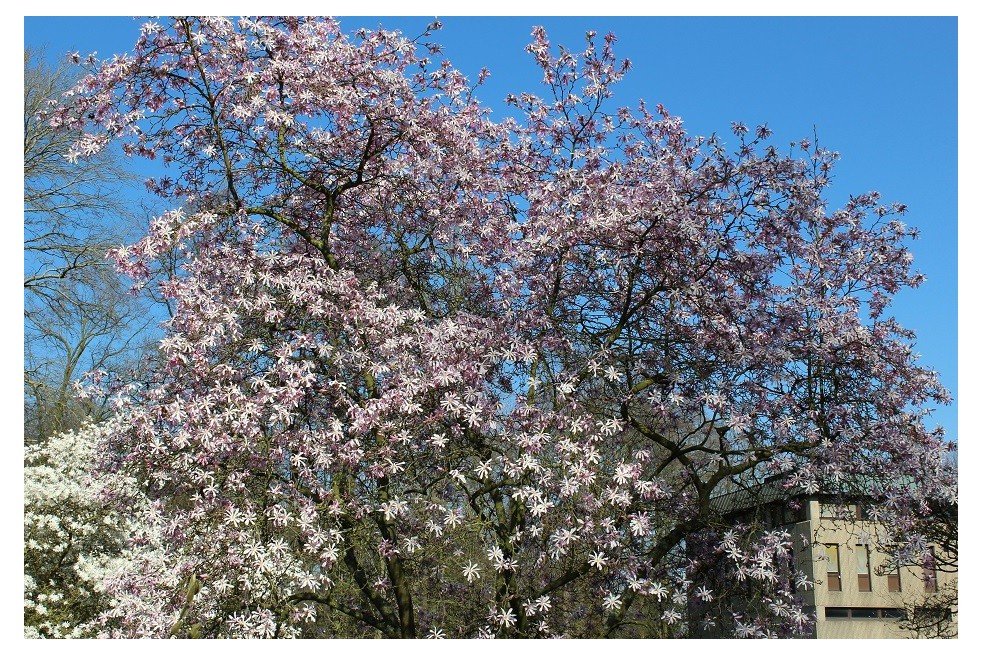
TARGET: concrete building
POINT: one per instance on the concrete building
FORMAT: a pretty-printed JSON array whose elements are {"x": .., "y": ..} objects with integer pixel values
[{"x": 855, "y": 594}]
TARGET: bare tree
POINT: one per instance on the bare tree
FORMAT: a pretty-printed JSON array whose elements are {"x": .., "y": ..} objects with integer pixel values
[
  {"x": 77, "y": 313},
  {"x": 934, "y": 615}
]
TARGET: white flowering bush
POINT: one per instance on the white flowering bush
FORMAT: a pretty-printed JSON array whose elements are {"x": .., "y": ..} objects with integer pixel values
[{"x": 73, "y": 539}]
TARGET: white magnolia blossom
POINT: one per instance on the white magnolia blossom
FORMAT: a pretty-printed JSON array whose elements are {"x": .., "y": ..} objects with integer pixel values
[{"x": 73, "y": 540}]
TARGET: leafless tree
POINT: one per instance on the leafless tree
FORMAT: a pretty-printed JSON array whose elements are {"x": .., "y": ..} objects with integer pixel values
[{"x": 78, "y": 315}]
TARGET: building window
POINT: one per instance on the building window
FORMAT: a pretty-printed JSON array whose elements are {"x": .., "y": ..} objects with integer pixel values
[
  {"x": 893, "y": 581},
  {"x": 930, "y": 573},
  {"x": 832, "y": 566},
  {"x": 838, "y": 511},
  {"x": 932, "y": 615},
  {"x": 864, "y": 613},
  {"x": 862, "y": 566}
]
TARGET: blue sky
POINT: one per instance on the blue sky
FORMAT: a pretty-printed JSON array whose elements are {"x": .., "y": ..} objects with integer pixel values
[{"x": 882, "y": 91}]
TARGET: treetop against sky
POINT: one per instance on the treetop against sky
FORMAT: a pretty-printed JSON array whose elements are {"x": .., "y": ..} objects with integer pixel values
[
  {"x": 857, "y": 83},
  {"x": 457, "y": 367}
]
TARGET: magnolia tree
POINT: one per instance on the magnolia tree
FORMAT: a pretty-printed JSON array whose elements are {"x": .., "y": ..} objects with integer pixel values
[{"x": 436, "y": 374}]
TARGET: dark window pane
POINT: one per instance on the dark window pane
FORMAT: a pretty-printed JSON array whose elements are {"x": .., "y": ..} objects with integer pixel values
[
  {"x": 892, "y": 613},
  {"x": 864, "y": 612},
  {"x": 837, "y": 612}
]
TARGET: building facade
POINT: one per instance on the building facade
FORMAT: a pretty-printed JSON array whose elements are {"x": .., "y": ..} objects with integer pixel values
[{"x": 855, "y": 593}]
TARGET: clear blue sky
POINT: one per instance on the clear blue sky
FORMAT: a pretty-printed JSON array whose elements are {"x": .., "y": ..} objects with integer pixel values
[{"x": 881, "y": 91}]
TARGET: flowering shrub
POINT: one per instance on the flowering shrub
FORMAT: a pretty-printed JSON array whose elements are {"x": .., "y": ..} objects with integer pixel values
[
  {"x": 73, "y": 539},
  {"x": 430, "y": 374}
]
